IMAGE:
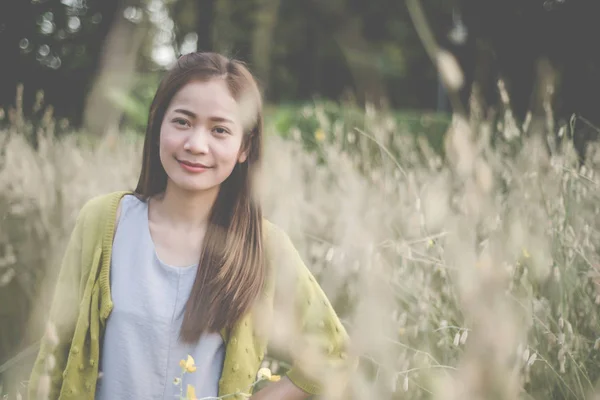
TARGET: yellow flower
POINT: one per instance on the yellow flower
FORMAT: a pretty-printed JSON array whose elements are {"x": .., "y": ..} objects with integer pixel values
[
  {"x": 188, "y": 365},
  {"x": 264, "y": 373},
  {"x": 320, "y": 135},
  {"x": 190, "y": 393},
  {"x": 526, "y": 253}
]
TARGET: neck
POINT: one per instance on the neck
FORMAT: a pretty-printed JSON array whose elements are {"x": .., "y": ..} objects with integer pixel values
[{"x": 183, "y": 209}]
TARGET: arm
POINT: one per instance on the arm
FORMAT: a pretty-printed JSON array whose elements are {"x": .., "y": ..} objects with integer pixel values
[
  {"x": 46, "y": 376},
  {"x": 318, "y": 342},
  {"x": 284, "y": 389}
]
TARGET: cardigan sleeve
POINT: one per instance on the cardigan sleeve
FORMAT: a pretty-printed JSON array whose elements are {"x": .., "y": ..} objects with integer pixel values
[
  {"x": 319, "y": 346},
  {"x": 47, "y": 373}
]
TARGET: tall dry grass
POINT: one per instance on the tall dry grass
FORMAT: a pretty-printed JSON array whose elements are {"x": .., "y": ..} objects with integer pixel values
[{"x": 470, "y": 277}]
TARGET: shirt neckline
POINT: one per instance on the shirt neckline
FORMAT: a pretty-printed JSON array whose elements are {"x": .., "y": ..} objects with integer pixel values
[{"x": 151, "y": 241}]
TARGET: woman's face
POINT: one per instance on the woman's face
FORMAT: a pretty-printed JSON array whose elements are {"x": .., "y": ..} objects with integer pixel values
[{"x": 201, "y": 136}]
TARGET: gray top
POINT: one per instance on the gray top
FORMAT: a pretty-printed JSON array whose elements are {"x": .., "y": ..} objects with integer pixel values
[{"x": 140, "y": 349}]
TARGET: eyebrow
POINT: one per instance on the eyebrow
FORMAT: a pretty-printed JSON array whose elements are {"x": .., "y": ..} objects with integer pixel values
[{"x": 193, "y": 115}]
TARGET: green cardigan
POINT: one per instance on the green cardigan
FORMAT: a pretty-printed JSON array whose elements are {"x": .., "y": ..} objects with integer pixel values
[{"x": 82, "y": 303}]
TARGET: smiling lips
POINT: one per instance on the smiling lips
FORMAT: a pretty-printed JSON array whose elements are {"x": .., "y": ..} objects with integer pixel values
[{"x": 193, "y": 167}]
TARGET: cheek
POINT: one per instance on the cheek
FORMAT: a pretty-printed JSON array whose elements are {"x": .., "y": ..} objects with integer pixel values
[
  {"x": 167, "y": 148},
  {"x": 168, "y": 141},
  {"x": 229, "y": 152}
]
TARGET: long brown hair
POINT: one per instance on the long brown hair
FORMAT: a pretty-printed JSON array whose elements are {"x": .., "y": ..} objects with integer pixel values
[{"x": 231, "y": 270}]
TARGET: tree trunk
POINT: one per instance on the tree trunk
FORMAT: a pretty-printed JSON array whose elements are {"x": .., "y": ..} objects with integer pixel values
[
  {"x": 115, "y": 74},
  {"x": 348, "y": 33},
  {"x": 204, "y": 26},
  {"x": 13, "y": 29},
  {"x": 359, "y": 57},
  {"x": 233, "y": 22}
]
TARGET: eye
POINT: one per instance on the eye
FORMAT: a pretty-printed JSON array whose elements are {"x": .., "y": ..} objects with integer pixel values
[
  {"x": 220, "y": 130},
  {"x": 181, "y": 122}
]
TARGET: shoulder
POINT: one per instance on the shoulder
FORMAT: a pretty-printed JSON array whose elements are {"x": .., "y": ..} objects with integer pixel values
[
  {"x": 280, "y": 251},
  {"x": 275, "y": 238},
  {"x": 270, "y": 230},
  {"x": 97, "y": 210}
]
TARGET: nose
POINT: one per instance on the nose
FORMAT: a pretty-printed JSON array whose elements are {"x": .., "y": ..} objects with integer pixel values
[{"x": 197, "y": 141}]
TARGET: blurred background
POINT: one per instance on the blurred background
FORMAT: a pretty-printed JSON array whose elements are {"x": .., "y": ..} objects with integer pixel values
[
  {"x": 107, "y": 56},
  {"x": 339, "y": 77}
]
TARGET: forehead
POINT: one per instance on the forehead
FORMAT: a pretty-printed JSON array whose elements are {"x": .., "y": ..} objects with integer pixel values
[{"x": 205, "y": 97}]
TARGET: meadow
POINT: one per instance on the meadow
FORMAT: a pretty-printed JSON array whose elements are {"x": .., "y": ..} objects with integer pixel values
[{"x": 462, "y": 255}]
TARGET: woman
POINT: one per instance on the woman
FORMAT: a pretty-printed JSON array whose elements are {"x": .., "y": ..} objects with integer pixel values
[{"x": 185, "y": 264}]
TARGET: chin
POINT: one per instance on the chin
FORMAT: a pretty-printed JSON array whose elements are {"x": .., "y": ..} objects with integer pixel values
[
  {"x": 194, "y": 188},
  {"x": 193, "y": 184}
]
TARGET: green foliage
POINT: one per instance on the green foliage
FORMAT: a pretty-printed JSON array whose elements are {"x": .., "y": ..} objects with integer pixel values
[
  {"x": 344, "y": 125},
  {"x": 135, "y": 103}
]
